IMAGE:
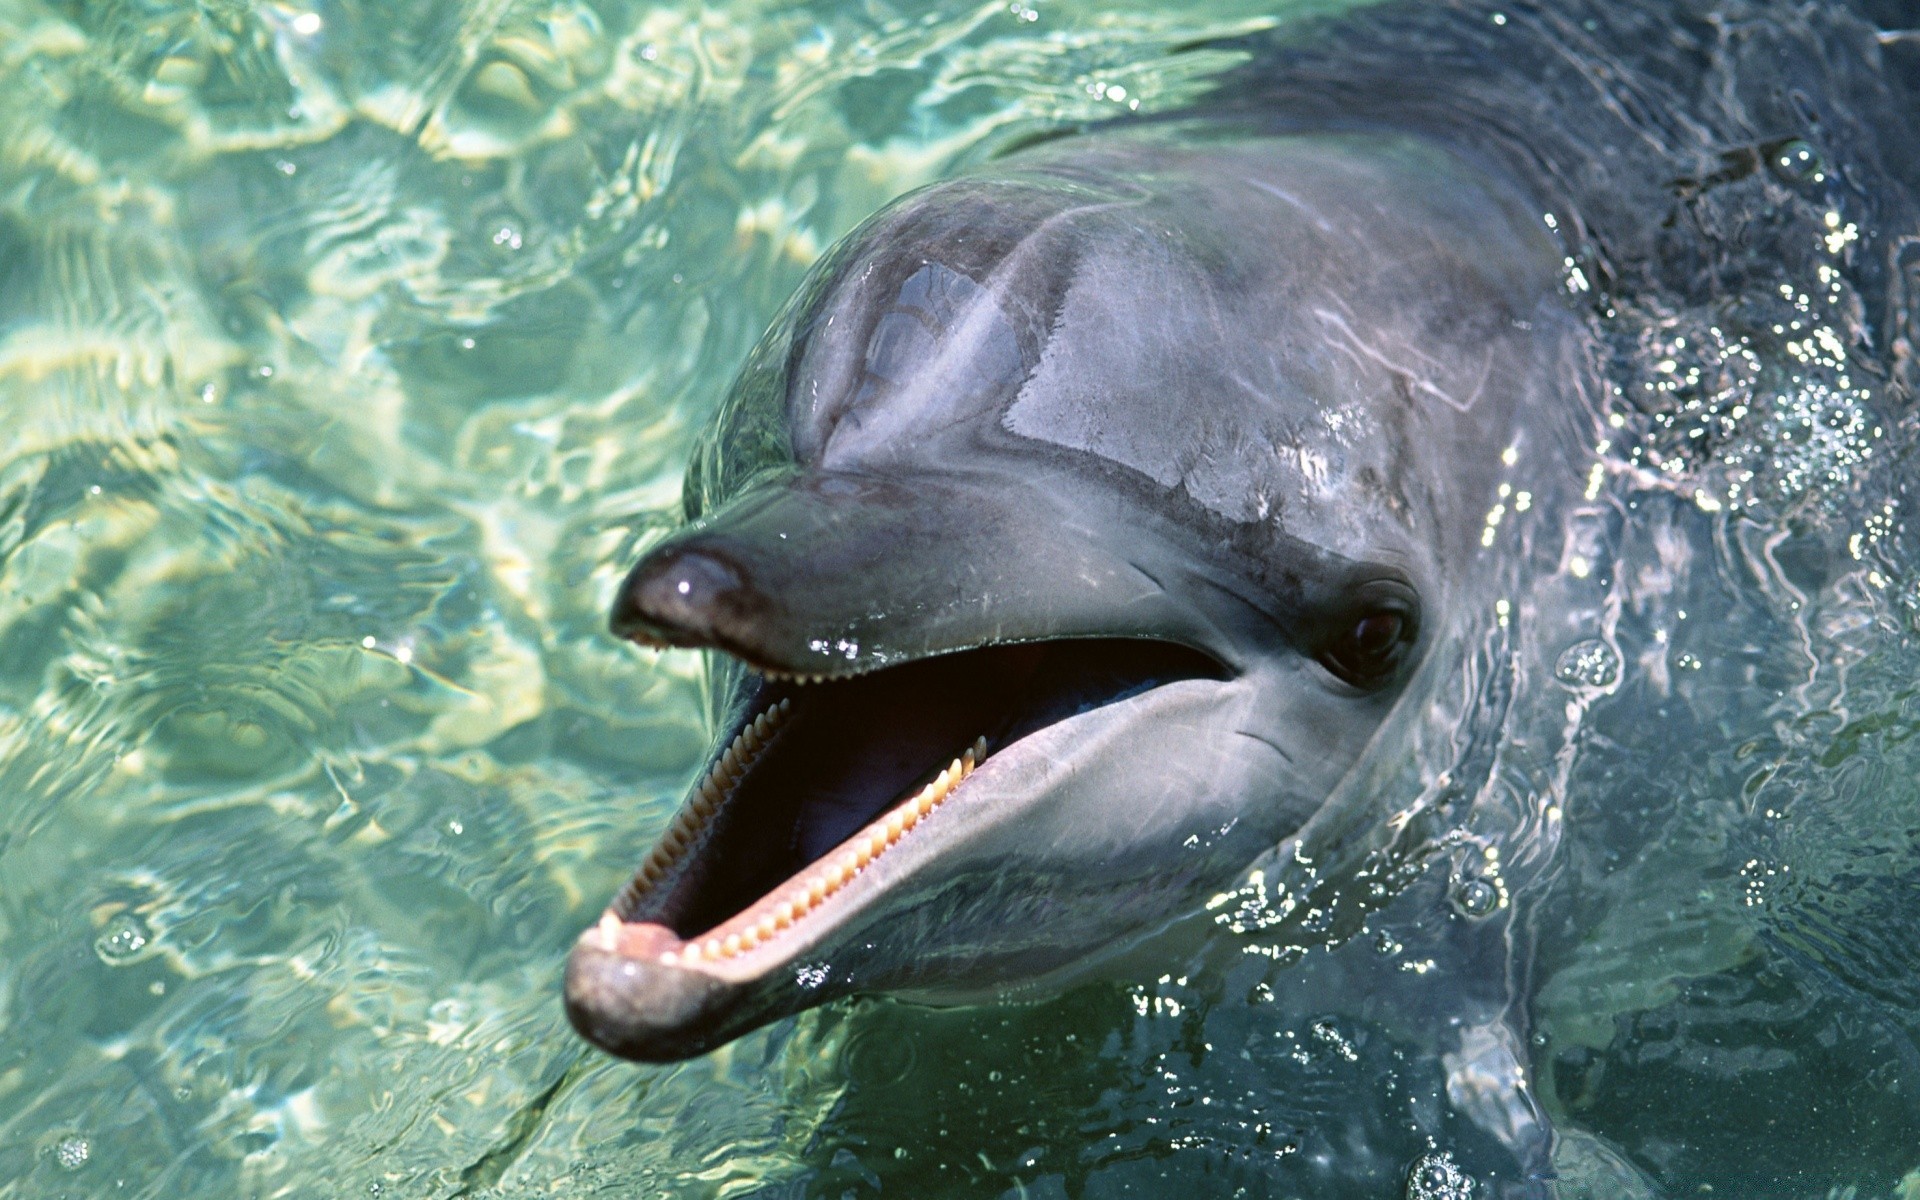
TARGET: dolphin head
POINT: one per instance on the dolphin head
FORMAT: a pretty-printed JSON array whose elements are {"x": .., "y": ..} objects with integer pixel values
[{"x": 1061, "y": 550}]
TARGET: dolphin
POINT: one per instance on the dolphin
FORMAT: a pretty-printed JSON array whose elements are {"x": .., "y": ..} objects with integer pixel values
[
  {"x": 1071, "y": 541},
  {"x": 1128, "y": 510}
]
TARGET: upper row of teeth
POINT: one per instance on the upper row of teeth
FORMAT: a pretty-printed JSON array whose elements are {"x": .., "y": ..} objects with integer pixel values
[
  {"x": 713, "y": 791},
  {"x": 833, "y": 873},
  {"x": 785, "y": 677},
  {"x": 849, "y": 670}
]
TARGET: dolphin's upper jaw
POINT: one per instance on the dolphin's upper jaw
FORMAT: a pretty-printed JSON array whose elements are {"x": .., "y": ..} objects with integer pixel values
[{"x": 800, "y": 823}]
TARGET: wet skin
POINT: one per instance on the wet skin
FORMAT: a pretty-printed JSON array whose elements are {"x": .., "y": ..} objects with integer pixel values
[{"x": 1126, "y": 498}]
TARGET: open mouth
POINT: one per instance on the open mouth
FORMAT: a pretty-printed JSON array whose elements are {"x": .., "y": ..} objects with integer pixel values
[{"x": 823, "y": 779}]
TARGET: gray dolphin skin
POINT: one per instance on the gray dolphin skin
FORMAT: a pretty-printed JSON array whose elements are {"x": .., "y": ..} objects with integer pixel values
[
  {"x": 1110, "y": 498},
  {"x": 1096, "y": 522}
]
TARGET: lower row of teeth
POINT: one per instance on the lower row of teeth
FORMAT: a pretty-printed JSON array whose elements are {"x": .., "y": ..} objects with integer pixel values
[{"x": 833, "y": 873}]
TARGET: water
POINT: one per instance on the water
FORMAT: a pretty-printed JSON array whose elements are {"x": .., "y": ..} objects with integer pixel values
[{"x": 349, "y": 351}]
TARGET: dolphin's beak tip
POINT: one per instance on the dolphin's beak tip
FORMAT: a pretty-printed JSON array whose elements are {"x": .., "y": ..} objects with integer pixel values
[
  {"x": 636, "y": 1007},
  {"x": 680, "y": 596}
]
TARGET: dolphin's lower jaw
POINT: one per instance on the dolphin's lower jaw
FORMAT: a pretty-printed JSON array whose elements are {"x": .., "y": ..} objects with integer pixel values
[{"x": 866, "y": 833}]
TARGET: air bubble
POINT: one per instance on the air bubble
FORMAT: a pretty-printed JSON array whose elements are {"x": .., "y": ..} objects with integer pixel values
[
  {"x": 1591, "y": 663},
  {"x": 124, "y": 940},
  {"x": 1476, "y": 897},
  {"x": 1795, "y": 162}
]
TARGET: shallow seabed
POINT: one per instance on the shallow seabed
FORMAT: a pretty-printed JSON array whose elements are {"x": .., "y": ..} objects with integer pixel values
[{"x": 347, "y": 353}]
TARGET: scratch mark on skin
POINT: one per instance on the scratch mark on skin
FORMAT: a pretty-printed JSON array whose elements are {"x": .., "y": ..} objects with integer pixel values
[
  {"x": 1147, "y": 575},
  {"x": 1280, "y": 194},
  {"x": 1271, "y": 745}
]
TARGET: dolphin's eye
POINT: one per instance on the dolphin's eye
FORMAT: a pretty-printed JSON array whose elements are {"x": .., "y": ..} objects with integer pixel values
[{"x": 1368, "y": 650}]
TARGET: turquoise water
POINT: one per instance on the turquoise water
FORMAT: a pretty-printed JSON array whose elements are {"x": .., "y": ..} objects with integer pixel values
[{"x": 347, "y": 353}]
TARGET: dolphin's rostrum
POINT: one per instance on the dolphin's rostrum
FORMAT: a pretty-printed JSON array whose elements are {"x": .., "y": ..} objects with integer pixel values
[{"x": 1065, "y": 547}]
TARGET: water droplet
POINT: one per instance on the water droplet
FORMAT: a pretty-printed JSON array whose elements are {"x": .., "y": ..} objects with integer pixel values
[
  {"x": 1591, "y": 663},
  {"x": 1476, "y": 897},
  {"x": 124, "y": 940},
  {"x": 72, "y": 1152},
  {"x": 1438, "y": 1177}
]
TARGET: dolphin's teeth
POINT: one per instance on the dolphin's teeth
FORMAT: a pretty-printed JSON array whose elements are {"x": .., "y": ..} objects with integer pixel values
[
  {"x": 690, "y": 952},
  {"x": 609, "y": 931}
]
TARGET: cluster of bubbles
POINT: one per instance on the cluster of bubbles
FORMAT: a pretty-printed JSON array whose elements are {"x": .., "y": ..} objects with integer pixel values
[
  {"x": 1438, "y": 1177},
  {"x": 1758, "y": 400}
]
